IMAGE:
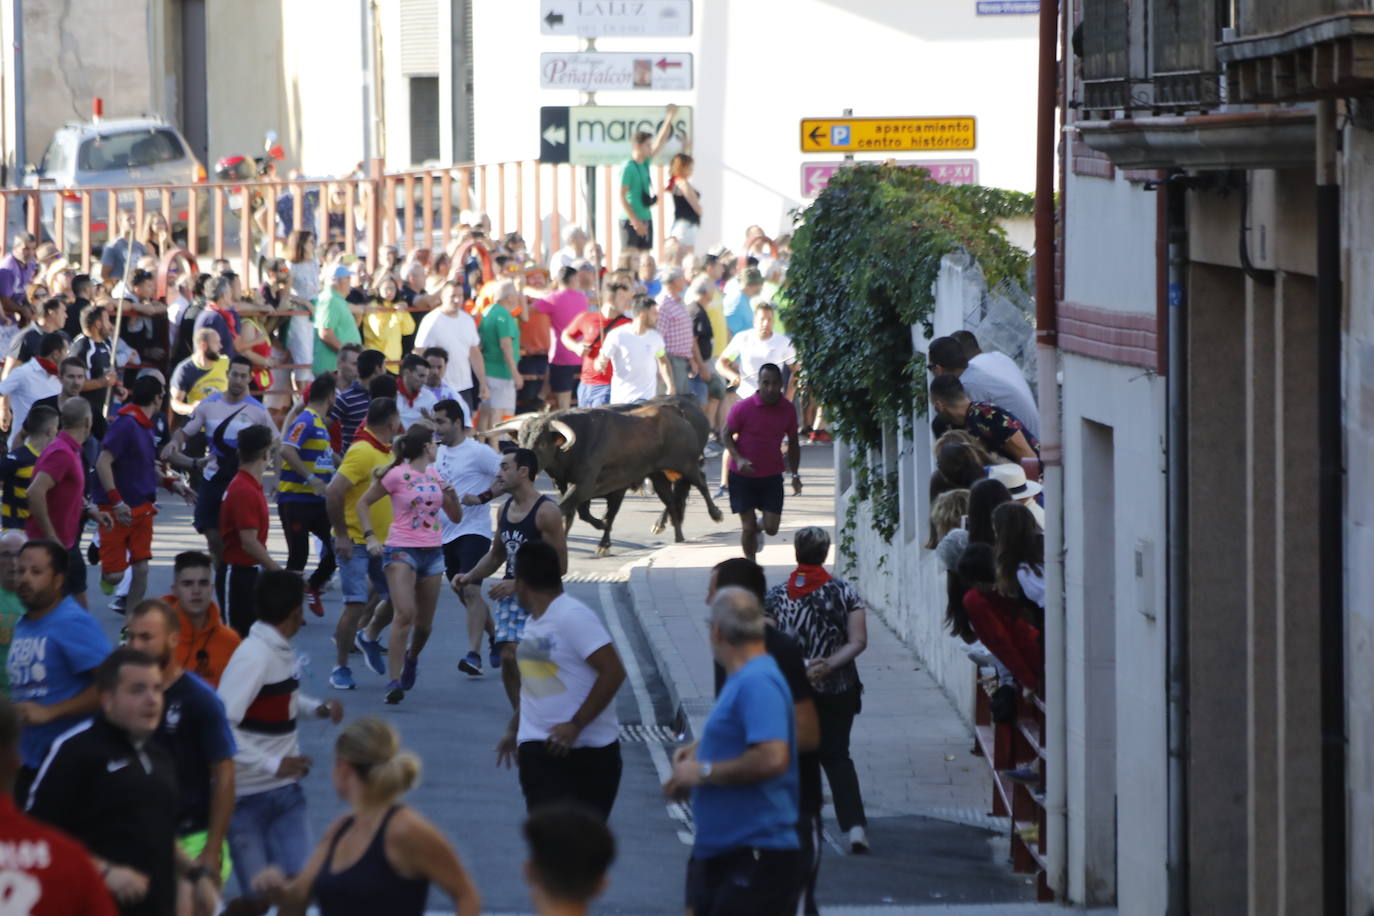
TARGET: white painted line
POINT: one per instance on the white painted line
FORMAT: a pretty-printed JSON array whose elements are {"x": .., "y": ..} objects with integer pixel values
[{"x": 635, "y": 676}]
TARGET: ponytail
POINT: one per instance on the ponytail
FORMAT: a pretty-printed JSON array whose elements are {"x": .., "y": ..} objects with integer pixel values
[
  {"x": 408, "y": 446},
  {"x": 372, "y": 747}
]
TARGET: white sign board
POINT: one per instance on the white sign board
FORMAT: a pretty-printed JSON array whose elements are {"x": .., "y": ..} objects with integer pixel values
[
  {"x": 601, "y": 134},
  {"x": 595, "y": 71},
  {"x": 610, "y": 18}
]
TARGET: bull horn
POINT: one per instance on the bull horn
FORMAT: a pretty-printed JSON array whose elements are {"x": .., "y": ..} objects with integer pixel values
[{"x": 566, "y": 431}]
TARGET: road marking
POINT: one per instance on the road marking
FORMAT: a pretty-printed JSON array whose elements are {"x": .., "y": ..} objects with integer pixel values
[{"x": 678, "y": 812}]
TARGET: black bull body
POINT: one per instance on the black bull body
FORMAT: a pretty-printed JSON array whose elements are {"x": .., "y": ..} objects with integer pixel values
[{"x": 600, "y": 452}]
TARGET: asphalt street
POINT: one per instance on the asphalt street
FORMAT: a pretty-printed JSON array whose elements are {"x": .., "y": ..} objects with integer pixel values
[{"x": 453, "y": 721}]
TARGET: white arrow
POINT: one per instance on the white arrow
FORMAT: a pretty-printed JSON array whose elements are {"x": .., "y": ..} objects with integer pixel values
[
  {"x": 816, "y": 182},
  {"x": 555, "y": 135}
]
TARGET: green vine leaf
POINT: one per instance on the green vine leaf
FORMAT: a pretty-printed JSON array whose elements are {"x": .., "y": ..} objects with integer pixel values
[{"x": 865, "y": 258}]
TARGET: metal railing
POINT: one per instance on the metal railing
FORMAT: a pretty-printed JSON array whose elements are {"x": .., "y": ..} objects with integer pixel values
[{"x": 412, "y": 210}]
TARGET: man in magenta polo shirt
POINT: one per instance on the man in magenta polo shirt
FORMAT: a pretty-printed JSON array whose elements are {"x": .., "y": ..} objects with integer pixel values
[
  {"x": 753, "y": 436},
  {"x": 562, "y": 307},
  {"x": 57, "y": 493}
]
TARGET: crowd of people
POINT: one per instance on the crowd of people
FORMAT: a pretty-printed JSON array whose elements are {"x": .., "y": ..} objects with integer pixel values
[
  {"x": 355, "y": 397},
  {"x": 986, "y": 519}
]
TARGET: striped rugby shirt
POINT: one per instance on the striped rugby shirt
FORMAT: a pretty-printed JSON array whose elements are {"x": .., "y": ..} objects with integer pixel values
[
  {"x": 16, "y": 470},
  {"x": 310, "y": 437}
]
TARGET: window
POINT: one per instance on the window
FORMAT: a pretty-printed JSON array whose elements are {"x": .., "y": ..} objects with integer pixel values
[
  {"x": 133, "y": 149},
  {"x": 424, "y": 119}
]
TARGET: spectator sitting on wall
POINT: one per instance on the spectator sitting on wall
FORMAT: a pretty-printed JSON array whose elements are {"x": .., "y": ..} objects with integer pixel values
[
  {"x": 993, "y": 378},
  {"x": 999, "y": 431},
  {"x": 997, "y": 620},
  {"x": 1020, "y": 556}
]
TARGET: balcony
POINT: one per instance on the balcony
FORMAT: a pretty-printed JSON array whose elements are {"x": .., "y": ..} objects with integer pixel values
[{"x": 1327, "y": 57}]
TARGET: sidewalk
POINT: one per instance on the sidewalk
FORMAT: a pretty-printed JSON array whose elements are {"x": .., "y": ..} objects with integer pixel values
[{"x": 909, "y": 745}]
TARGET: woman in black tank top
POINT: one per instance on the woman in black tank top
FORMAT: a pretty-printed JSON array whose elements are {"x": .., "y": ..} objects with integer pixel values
[{"x": 382, "y": 856}]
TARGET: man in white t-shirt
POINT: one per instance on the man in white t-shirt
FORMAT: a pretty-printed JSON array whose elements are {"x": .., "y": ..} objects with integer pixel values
[
  {"x": 565, "y": 735},
  {"x": 450, "y": 327},
  {"x": 414, "y": 400},
  {"x": 637, "y": 355},
  {"x": 469, "y": 467},
  {"x": 740, "y": 361},
  {"x": 991, "y": 377}
]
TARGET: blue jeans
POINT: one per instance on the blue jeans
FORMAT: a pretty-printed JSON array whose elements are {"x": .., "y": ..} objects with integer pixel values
[
  {"x": 269, "y": 828},
  {"x": 593, "y": 395}
]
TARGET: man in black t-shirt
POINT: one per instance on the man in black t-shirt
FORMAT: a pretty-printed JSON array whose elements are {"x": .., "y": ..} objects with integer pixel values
[
  {"x": 744, "y": 573},
  {"x": 51, "y": 316}
]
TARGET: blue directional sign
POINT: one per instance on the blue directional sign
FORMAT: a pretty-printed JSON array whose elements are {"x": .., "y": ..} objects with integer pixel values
[{"x": 839, "y": 135}]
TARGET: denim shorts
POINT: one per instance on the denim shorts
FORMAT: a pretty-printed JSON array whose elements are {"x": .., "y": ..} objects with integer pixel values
[
  {"x": 593, "y": 395},
  {"x": 426, "y": 561},
  {"x": 359, "y": 571}
]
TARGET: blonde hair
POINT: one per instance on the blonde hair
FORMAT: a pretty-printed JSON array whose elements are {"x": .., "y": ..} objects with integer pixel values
[
  {"x": 946, "y": 514},
  {"x": 372, "y": 747},
  {"x": 963, "y": 437}
]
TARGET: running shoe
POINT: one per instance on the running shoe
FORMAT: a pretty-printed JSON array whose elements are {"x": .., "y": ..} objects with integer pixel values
[
  {"x": 342, "y": 679},
  {"x": 372, "y": 652},
  {"x": 858, "y": 841},
  {"x": 471, "y": 664},
  {"x": 118, "y": 603},
  {"x": 394, "y": 693},
  {"x": 409, "y": 672},
  {"x": 314, "y": 601}
]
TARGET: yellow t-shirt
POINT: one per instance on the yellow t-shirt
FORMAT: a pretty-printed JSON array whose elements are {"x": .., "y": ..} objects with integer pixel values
[
  {"x": 720, "y": 333},
  {"x": 383, "y": 331},
  {"x": 214, "y": 380},
  {"x": 361, "y": 459}
]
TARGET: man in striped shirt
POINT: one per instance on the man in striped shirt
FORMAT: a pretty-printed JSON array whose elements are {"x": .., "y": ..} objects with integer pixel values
[
  {"x": 16, "y": 468},
  {"x": 351, "y": 400},
  {"x": 307, "y": 466}
]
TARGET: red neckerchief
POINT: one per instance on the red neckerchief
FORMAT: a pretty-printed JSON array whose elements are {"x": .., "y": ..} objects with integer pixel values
[
  {"x": 364, "y": 436},
  {"x": 806, "y": 579},
  {"x": 410, "y": 398},
  {"x": 231, "y": 319},
  {"x": 48, "y": 365},
  {"x": 133, "y": 410}
]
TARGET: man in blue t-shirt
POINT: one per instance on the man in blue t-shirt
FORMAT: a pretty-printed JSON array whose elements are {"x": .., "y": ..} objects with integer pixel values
[
  {"x": 56, "y": 649},
  {"x": 196, "y": 735},
  {"x": 742, "y": 775}
]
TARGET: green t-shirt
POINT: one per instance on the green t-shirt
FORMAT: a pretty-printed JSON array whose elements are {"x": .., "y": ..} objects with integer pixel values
[
  {"x": 635, "y": 176},
  {"x": 10, "y": 611},
  {"x": 331, "y": 313},
  {"x": 498, "y": 324}
]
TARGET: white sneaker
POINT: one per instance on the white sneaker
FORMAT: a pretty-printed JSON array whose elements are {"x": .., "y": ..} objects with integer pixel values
[{"x": 858, "y": 841}]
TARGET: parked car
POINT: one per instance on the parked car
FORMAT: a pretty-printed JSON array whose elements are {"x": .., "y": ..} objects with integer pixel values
[{"x": 121, "y": 152}]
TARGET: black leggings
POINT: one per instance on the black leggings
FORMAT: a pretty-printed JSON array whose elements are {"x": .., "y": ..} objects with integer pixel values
[{"x": 299, "y": 520}]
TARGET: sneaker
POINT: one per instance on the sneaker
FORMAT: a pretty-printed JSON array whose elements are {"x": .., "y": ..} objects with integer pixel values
[
  {"x": 314, "y": 601},
  {"x": 409, "y": 672},
  {"x": 471, "y": 664},
  {"x": 372, "y": 652},
  {"x": 342, "y": 679},
  {"x": 721, "y": 492},
  {"x": 858, "y": 841},
  {"x": 394, "y": 693},
  {"x": 118, "y": 603}
]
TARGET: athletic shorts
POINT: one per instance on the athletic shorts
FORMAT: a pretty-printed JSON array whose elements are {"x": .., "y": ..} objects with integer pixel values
[
  {"x": 359, "y": 571},
  {"x": 510, "y": 620},
  {"x": 564, "y": 378},
  {"x": 193, "y": 844},
  {"x": 631, "y": 239},
  {"x": 206, "y": 516},
  {"x": 502, "y": 396},
  {"x": 75, "y": 583},
  {"x": 123, "y": 545},
  {"x": 755, "y": 493},
  {"x": 463, "y": 553},
  {"x": 426, "y": 561}
]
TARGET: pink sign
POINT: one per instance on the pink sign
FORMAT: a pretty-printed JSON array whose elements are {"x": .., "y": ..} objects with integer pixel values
[{"x": 816, "y": 175}]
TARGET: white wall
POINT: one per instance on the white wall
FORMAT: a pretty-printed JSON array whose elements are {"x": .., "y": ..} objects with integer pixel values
[
  {"x": 1110, "y": 265},
  {"x": 761, "y": 67}
]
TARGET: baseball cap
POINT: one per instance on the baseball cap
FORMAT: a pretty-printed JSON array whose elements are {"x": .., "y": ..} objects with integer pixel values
[{"x": 340, "y": 272}]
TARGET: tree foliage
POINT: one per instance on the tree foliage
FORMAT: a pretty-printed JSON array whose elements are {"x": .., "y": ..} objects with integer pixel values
[{"x": 866, "y": 256}]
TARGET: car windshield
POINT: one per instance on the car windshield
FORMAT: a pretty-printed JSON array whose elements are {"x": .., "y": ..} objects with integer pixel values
[
  {"x": 133, "y": 149},
  {"x": 56, "y": 158}
]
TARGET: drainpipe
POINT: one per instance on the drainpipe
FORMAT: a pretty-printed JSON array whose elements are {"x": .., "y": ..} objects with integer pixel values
[
  {"x": 17, "y": 96},
  {"x": 1330, "y": 543},
  {"x": 1047, "y": 360},
  {"x": 1176, "y": 674}
]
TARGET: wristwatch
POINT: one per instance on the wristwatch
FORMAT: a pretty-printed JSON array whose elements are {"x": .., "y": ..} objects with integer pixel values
[{"x": 705, "y": 771}]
